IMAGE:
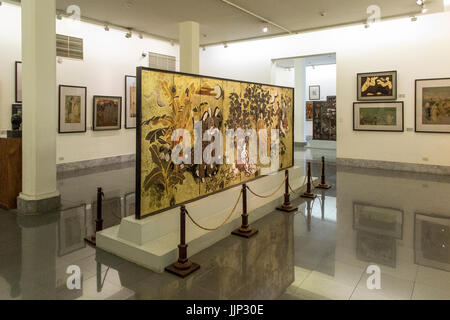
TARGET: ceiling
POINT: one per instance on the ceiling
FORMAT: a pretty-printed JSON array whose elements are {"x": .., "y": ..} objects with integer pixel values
[{"x": 221, "y": 22}]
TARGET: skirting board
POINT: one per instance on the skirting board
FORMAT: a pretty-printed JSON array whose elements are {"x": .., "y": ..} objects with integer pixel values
[
  {"x": 136, "y": 241},
  {"x": 397, "y": 166},
  {"x": 87, "y": 164}
]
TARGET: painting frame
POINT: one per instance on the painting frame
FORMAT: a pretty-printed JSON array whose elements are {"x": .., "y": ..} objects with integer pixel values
[
  {"x": 399, "y": 217},
  {"x": 314, "y": 97},
  {"x": 83, "y": 114},
  {"x": 117, "y": 127},
  {"x": 359, "y": 84},
  {"x": 419, "y": 103},
  {"x": 400, "y": 117},
  {"x": 139, "y": 71},
  {"x": 419, "y": 257},
  {"x": 309, "y": 110},
  {"x": 130, "y": 122},
  {"x": 18, "y": 81},
  {"x": 63, "y": 248}
]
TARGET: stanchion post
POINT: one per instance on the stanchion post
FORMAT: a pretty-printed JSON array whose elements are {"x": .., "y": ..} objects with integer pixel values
[
  {"x": 308, "y": 194},
  {"x": 183, "y": 267},
  {"x": 245, "y": 230},
  {"x": 99, "y": 220},
  {"x": 323, "y": 184},
  {"x": 286, "y": 206}
]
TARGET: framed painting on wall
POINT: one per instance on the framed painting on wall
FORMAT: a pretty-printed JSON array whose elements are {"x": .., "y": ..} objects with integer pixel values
[
  {"x": 130, "y": 102},
  {"x": 72, "y": 109},
  {"x": 314, "y": 92},
  {"x": 378, "y": 116},
  {"x": 432, "y": 241},
  {"x": 377, "y": 86},
  {"x": 433, "y": 105},
  {"x": 331, "y": 99},
  {"x": 324, "y": 122},
  {"x": 18, "y": 86},
  {"x": 378, "y": 220},
  {"x": 107, "y": 113},
  {"x": 309, "y": 109}
]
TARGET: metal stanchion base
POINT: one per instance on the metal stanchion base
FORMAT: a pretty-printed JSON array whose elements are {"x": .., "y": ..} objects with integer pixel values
[
  {"x": 182, "y": 272},
  {"x": 288, "y": 208},
  {"x": 245, "y": 234},
  {"x": 309, "y": 195},
  {"x": 91, "y": 240},
  {"x": 324, "y": 186}
]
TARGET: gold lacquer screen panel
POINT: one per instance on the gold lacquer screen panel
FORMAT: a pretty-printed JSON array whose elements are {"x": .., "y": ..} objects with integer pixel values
[{"x": 172, "y": 101}]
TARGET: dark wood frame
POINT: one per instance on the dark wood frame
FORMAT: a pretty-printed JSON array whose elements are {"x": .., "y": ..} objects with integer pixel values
[
  {"x": 59, "y": 108},
  {"x": 415, "y": 106},
  {"x": 377, "y": 102},
  {"x": 139, "y": 134},
  {"x": 306, "y": 102},
  {"x": 394, "y": 89},
  {"x": 94, "y": 109},
  {"x": 316, "y": 86},
  {"x": 380, "y": 207},
  {"x": 125, "y": 105},
  {"x": 16, "y": 83},
  {"x": 415, "y": 233}
]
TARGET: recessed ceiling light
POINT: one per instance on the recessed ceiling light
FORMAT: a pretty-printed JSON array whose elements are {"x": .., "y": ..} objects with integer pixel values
[
  {"x": 265, "y": 29},
  {"x": 419, "y": 2}
]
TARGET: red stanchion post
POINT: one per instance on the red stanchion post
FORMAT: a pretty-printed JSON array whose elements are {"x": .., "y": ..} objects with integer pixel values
[
  {"x": 308, "y": 194},
  {"x": 183, "y": 267},
  {"x": 286, "y": 206},
  {"x": 245, "y": 230},
  {"x": 323, "y": 184}
]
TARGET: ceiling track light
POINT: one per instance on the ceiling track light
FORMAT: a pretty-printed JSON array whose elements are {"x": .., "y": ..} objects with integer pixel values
[
  {"x": 204, "y": 48},
  {"x": 413, "y": 19},
  {"x": 420, "y": 2},
  {"x": 225, "y": 45},
  {"x": 129, "y": 34},
  {"x": 106, "y": 28}
]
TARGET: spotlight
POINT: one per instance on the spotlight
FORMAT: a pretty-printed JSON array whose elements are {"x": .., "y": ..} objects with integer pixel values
[
  {"x": 59, "y": 16},
  {"x": 366, "y": 25},
  {"x": 106, "y": 28},
  {"x": 420, "y": 2},
  {"x": 129, "y": 34},
  {"x": 141, "y": 36},
  {"x": 265, "y": 29},
  {"x": 144, "y": 54},
  {"x": 204, "y": 48},
  {"x": 424, "y": 10},
  {"x": 225, "y": 45},
  {"x": 413, "y": 18}
]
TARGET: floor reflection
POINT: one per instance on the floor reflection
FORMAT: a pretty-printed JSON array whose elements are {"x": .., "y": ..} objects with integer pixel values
[{"x": 397, "y": 221}]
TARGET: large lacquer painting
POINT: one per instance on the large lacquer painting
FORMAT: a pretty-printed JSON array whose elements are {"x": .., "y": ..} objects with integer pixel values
[{"x": 200, "y": 135}]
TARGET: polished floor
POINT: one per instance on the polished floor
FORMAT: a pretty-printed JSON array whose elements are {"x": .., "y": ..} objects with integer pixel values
[{"x": 397, "y": 221}]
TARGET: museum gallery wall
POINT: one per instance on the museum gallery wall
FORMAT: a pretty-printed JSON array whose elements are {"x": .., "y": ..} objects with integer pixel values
[{"x": 171, "y": 101}]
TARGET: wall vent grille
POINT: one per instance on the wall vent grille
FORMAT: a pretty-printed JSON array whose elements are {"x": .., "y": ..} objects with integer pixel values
[
  {"x": 161, "y": 61},
  {"x": 69, "y": 47}
]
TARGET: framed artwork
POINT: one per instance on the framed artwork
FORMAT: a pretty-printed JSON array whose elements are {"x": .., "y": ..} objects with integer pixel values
[
  {"x": 377, "y": 249},
  {"x": 72, "y": 109},
  {"x": 433, "y": 105},
  {"x": 72, "y": 230},
  {"x": 16, "y": 108},
  {"x": 167, "y": 101},
  {"x": 432, "y": 241},
  {"x": 130, "y": 102},
  {"x": 309, "y": 109},
  {"x": 378, "y": 220},
  {"x": 107, "y": 113},
  {"x": 331, "y": 99},
  {"x": 314, "y": 93},
  {"x": 18, "y": 73},
  {"x": 377, "y": 86},
  {"x": 130, "y": 204},
  {"x": 378, "y": 116},
  {"x": 324, "y": 121},
  {"x": 112, "y": 212}
]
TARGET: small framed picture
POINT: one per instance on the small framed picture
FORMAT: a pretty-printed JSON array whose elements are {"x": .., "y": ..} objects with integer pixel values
[
  {"x": 331, "y": 99},
  {"x": 130, "y": 102},
  {"x": 314, "y": 93},
  {"x": 378, "y": 116},
  {"x": 72, "y": 230},
  {"x": 433, "y": 105},
  {"x": 107, "y": 113},
  {"x": 16, "y": 108},
  {"x": 376, "y": 86},
  {"x": 18, "y": 73},
  {"x": 72, "y": 109},
  {"x": 378, "y": 220},
  {"x": 309, "y": 109}
]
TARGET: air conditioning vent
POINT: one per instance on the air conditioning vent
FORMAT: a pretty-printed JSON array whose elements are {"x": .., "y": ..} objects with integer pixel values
[
  {"x": 69, "y": 47},
  {"x": 161, "y": 61}
]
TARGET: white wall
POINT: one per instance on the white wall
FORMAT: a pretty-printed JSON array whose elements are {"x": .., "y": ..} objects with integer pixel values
[
  {"x": 284, "y": 77},
  {"x": 416, "y": 50},
  {"x": 108, "y": 57}
]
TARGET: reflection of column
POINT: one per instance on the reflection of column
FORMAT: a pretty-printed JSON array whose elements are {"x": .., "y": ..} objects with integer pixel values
[
  {"x": 189, "y": 47},
  {"x": 39, "y": 235},
  {"x": 39, "y": 191},
  {"x": 308, "y": 214},
  {"x": 322, "y": 204},
  {"x": 300, "y": 88}
]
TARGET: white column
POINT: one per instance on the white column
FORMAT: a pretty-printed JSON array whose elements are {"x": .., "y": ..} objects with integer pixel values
[
  {"x": 39, "y": 100},
  {"x": 300, "y": 94},
  {"x": 189, "y": 47}
]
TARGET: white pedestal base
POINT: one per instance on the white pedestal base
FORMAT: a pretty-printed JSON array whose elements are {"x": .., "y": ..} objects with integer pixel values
[{"x": 153, "y": 242}]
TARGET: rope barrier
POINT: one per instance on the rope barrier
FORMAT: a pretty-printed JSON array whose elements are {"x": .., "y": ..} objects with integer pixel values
[
  {"x": 223, "y": 223},
  {"x": 270, "y": 195},
  {"x": 302, "y": 185}
]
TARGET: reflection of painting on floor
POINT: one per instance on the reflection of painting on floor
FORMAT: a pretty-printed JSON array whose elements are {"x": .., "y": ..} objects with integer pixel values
[
  {"x": 376, "y": 249},
  {"x": 73, "y": 109},
  {"x": 436, "y": 105},
  {"x": 173, "y": 101},
  {"x": 378, "y": 116}
]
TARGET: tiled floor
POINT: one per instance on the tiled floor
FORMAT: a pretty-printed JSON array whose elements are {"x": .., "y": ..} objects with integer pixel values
[{"x": 399, "y": 222}]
